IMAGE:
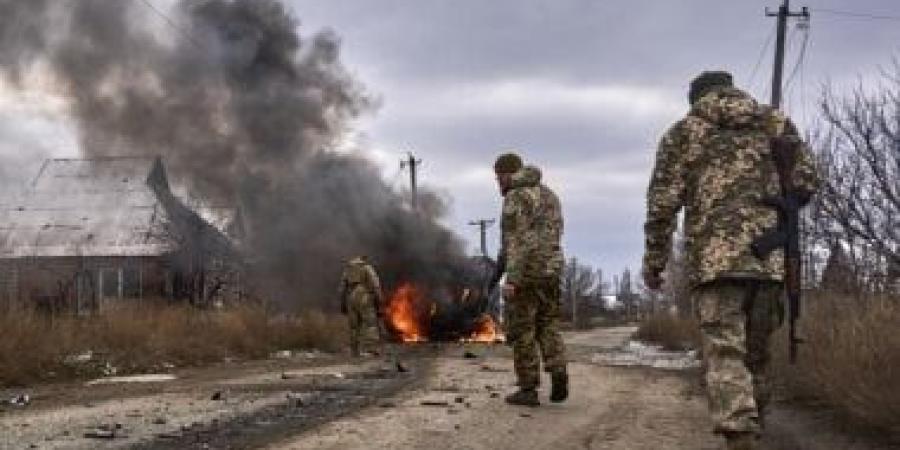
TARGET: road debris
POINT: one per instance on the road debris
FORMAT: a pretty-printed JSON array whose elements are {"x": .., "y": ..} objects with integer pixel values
[
  {"x": 81, "y": 358},
  {"x": 105, "y": 432},
  {"x": 282, "y": 354},
  {"x": 434, "y": 403},
  {"x": 296, "y": 399},
  {"x": 20, "y": 400},
  {"x": 469, "y": 355},
  {"x": 146, "y": 378}
]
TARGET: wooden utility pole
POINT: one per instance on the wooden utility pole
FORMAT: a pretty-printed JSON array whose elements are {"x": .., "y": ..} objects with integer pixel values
[
  {"x": 483, "y": 225},
  {"x": 784, "y": 11},
  {"x": 413, "y": 164}
]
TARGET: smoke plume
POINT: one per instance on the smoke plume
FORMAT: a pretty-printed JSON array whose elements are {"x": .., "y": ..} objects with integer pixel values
[{"x": 244, "y": 110}]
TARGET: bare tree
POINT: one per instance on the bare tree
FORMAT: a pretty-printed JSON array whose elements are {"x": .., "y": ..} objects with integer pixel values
[
  {"x": 858, "y": 209},
  {"x": 578, "y": 284},
  {"x": 676, "y": 288}
]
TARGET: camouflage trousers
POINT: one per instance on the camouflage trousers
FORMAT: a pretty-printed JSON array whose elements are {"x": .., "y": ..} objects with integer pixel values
[
  {"x": 737, "y": 317},
  {"x": 533, "y": 323},
  {"x": 363, "y": 321}
]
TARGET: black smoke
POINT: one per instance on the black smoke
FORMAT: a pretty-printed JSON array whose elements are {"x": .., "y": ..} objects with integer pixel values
[{"x": 244, "y": 110}]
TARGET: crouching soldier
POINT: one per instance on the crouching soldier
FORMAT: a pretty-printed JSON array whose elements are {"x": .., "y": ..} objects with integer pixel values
[{"x": 361, "y": 300}]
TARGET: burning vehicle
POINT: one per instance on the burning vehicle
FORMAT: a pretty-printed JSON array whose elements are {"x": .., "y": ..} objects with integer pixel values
[{"x": 464, "y": 309}]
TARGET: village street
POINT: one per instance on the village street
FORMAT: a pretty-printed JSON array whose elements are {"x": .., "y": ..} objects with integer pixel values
[{"x": 448, "y": 396}]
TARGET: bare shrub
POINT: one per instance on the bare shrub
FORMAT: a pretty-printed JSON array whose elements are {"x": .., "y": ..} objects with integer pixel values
[
  {"x": 851, "y": 359},
  {"x": 35, "y": 348},
  {"x": 670, "y": 331}
]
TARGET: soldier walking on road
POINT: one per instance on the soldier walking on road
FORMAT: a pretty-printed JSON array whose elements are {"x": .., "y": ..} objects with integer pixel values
[
  {"x": 361, "y": 300},
  {"x": 532, "y": 226},
  {"x": 716, "y": 163}
]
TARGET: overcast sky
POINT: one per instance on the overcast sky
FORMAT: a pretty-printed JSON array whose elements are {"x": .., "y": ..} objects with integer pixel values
[{"x": 582, "y": 88}]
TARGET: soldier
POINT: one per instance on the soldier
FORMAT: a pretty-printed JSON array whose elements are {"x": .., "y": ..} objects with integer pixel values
[
  {"x": 715, "y": 163},
  {"x": 532, "y": 226},
  {"x": 361, "y": 300}
]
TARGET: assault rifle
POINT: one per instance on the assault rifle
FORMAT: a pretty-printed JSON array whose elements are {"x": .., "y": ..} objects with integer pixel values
[{"x": 786, "y": 235}]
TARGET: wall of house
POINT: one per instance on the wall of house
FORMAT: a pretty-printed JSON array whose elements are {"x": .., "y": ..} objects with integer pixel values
[{"x": 80, "y": 284}]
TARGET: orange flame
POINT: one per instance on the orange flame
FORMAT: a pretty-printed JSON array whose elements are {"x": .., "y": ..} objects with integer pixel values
[
  {"x": 404, "y": 312},
  {"x": 486, "y": 330}
]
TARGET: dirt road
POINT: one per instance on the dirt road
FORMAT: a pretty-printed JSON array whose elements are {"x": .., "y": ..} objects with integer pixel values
[
  {"x": 624, "y": 396},
  {"x": 461, "y": 407}
]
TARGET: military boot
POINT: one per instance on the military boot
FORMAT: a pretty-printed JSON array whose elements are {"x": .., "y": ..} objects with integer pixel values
[
  {"x": 524, "y": 397},
  {"x": 740, "y": 441},
  {"x": 559, "y": 380}
]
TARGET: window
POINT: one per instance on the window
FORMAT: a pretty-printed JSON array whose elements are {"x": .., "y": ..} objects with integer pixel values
[
  {"x": 132, "y": 281},
  {"x": 110, "y": 283}
]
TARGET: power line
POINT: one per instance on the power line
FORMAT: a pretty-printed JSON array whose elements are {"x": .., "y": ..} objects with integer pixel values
[
  {"x": 800, "y": 57},
  {"x": 184, "y": 33},
  {"x": 803, "y": 94},
  {"x": 762, "y": 54},
  {"x": 857, "y": 15}
]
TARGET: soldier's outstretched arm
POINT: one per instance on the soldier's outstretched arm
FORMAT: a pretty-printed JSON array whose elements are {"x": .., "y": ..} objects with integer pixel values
[{"x": 665, "y": 197}]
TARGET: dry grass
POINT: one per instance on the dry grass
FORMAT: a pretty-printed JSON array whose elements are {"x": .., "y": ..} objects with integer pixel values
[
  {"x": 35, "y": 348},
  {"x": 851, "y": 358},
  {"x": 669, "y": 331}
]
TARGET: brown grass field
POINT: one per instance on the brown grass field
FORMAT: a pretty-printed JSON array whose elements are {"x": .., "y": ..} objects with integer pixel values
[
  {"x": 35, "y": 348},
  {"x": 849, "y": 362}
]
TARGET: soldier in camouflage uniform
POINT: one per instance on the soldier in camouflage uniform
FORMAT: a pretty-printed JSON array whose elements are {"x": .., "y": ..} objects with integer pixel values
[
  {"x": 716, "y": 164},
  {"x": 532, "y": 226},
  {"x": 361, "y": 299}
]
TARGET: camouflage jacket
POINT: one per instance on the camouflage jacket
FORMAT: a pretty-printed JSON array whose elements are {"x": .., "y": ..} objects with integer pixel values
[
  {"x": 359, "y": 274},
  {"x": 715, "y": 163},
  {"x": 532, "y": 227}
]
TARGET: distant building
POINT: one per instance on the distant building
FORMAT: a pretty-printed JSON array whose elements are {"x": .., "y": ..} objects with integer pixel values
[{"x": 89, "y": 233}]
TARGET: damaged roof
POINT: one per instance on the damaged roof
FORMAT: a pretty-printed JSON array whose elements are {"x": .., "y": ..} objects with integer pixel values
[{"x": 90, "y": 207}]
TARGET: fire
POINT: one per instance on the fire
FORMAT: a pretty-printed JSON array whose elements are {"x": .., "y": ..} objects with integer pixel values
[
  {"x": 486, "y": 330},
  {"x": 404, "y": 313}
]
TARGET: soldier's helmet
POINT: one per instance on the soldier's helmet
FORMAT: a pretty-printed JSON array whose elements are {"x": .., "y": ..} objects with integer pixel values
[
  {"x": 509, "y": 162},
  {"x": 707, "y": 81}
]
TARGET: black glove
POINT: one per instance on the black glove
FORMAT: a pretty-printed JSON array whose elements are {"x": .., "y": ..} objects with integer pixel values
[
  {"x": 499, "y": 270},
  {"x": 653, "y": 280}
]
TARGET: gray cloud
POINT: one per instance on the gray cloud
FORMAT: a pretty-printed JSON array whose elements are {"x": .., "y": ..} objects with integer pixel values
[
  {"x": 442, "y": 69},
  {"x": 424, "y": 57}
]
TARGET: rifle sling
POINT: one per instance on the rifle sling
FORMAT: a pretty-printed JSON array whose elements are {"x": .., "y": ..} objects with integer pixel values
[{"x": 748, "y": 306}]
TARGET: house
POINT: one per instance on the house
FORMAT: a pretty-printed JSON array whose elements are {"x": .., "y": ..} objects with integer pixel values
[{"x": 89, "y": 233}]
